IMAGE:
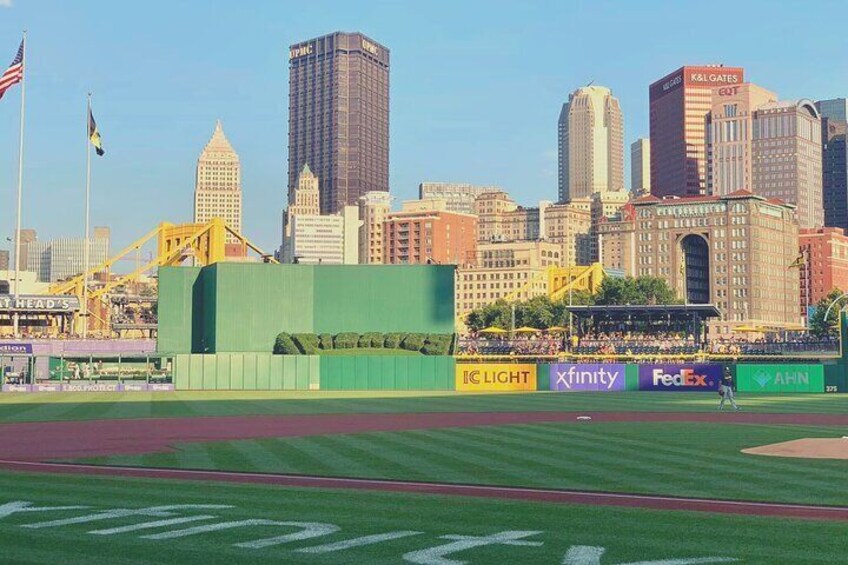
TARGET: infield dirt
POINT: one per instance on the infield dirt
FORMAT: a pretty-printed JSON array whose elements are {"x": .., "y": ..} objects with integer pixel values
[{"x": 807, "y": 448}]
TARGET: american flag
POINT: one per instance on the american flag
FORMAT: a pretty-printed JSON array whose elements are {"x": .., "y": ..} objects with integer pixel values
[{"x": 15, "y": 73}]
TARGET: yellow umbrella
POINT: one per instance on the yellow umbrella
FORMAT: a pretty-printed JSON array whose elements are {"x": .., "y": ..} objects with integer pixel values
[
  {"x": 744, "y": 329},
  {"x": 493, "y": 330},
  {"x": 527, "y": 330},
  {"x": 557, "y": 329}
]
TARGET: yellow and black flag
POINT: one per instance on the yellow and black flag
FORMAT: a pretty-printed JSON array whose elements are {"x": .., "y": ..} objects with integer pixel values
[
  {"x": 799, "y": 262},
  {"x": 94, "y": 134}
]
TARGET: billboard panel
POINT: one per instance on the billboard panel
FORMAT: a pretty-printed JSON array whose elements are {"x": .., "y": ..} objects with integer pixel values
[
  {"x": 780, "y": 378},
  {"x": 687, "y": 378},
  {"x": 586, "y": 377},
  {"x": 492, "y": 377}
]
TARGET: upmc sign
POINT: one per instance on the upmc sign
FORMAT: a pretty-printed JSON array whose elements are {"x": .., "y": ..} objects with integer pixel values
[
  {"x": 495, "y": 377},
  {"x": 565, "y": 377},
  {"x": 693, "y": 378}
]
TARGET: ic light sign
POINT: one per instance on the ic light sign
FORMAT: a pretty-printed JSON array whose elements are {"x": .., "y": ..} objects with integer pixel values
[
  {"x": 488, "y": 377},
  {"x": 692, "y": 378}
]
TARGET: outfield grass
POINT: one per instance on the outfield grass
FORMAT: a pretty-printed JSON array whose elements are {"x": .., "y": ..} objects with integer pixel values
[
  {"x": 628, "y": 535},
  {"x": 678, "y": 459},
  {"x": 17, "y": 407}
]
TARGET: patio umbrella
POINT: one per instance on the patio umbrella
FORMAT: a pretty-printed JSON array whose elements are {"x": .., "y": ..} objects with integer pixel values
[
  {"x": 493, "y": 330},
  {"x": 527, "y": 330},
  {"x": 557, "y": 329}
]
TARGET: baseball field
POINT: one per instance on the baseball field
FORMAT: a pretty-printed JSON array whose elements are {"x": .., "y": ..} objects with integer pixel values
[{"x": 431, "y": 478}]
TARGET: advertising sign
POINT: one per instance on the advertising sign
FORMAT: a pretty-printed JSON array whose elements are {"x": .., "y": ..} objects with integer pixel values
[
  {"x": 15, "y": 349},
  {"x": 576, "y": 378},
  {"x": 491, "y": 377},
  {"x": 39, "y": 303},
  {"x": 90, "y": 387},
  {"x": 687, "y": 378},
  {"x": 780, "y": 378}
]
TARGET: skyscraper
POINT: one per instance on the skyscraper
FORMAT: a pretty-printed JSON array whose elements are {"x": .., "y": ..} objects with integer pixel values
[
  {"x": 339, "y": 116},
  {"x": 304, "y": 202},
  {"x": 217, "y": 191},
  {"x": 591, "y": 144},
  {"x": 640, "y": 165},
  {"x": 834, "y": 116},
  {"x": 459, "y": 196},
  {"x": 679, "y": 104},
  {"x": 374, "y": 208},
  {"x": 787, "y": 157},
  {"x": 63, "y": 258},
  {"x": 729, "y": 135}
]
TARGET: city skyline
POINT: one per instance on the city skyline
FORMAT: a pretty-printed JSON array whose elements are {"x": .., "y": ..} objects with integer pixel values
[{"x": 451, "y": 120}]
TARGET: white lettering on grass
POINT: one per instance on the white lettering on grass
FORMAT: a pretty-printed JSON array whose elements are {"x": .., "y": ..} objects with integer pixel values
[
  {"x": 309, "y": 530},
  {"x": 583, "y": 555},
  {"x": 149, "y": 525},
  {"x": 590, "y": 555},
  {"x": 17, "y": 506},
  {"x": 156, "y": 511},
  {"x": 356, "y": 542},
  {"x": 212, "y": 528},
  {"x": 436, "y": 555}
]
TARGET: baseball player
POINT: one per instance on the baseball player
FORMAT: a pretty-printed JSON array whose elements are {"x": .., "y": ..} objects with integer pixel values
[{"x": 725, "y": 389}]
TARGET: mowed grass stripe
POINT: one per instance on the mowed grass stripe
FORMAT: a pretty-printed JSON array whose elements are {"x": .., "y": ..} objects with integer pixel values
[
  {"x": 78, "y": 406},
  {"x": 469, "y": 462},
  {"x": 390, "y": 461},
  {"x": 683, "y": 459},
  {"x": 513, "y": 460},
  {"x": 747, "y": 476}
]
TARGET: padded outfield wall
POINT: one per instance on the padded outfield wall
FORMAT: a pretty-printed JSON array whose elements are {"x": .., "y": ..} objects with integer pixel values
[{"x": 236, "y": 307}]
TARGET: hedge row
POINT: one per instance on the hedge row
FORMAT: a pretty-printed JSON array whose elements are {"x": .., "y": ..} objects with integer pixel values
[{"x": 311, "y": 344}]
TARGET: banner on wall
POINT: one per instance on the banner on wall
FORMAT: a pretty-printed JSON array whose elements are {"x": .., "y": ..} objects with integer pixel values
[
  {"x": 689, "y": 378},
  {"x": 587, "y": 377},
  {"x": 780, "y": 378},
  {"x": 491, "y": 377}
]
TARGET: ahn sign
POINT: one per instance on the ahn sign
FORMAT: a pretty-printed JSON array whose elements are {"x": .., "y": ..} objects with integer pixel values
[
  {"x": 489, "y": 377},
  {"x": 689, "y": 378}
]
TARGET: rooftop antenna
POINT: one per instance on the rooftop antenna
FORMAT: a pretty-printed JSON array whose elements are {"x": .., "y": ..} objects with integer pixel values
[{"x": 591, "y": 82}]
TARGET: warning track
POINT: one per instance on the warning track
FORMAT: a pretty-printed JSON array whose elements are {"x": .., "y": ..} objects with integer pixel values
[{"x": 29, "y": 446}]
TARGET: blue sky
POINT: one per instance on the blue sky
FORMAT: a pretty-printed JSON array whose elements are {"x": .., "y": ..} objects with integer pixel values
[{"x": 476, "y": 89}]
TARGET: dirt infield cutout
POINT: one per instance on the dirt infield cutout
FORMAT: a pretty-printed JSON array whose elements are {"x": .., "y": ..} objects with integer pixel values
[{"x": 807, "y": 448}]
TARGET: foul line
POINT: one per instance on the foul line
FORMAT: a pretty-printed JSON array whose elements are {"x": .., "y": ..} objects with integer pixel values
[{"x": 786, "y": 510}]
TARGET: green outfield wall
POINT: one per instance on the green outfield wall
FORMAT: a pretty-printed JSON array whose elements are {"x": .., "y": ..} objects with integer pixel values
[
  {"x": 236, "y": 307},
  {"x": 267, "y": 372},
  {"x": 387, "y": 372},
  {"x": 246, "y": 371}
]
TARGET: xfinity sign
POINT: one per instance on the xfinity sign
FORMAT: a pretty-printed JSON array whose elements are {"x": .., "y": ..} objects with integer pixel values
[
  {"x": 680, "y": 377},
  {"x": 578, "y": 378}
]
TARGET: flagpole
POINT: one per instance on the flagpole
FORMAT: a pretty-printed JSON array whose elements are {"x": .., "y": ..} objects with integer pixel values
[
  {"x": 15, "y": 318},
  {"x": 87, "y": 229}
]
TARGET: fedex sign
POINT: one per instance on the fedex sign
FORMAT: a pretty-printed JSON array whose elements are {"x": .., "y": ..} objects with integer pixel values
[{"x": 680, "y": 377}]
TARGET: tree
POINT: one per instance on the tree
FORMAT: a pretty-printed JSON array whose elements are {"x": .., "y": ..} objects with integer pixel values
[
  {"x": 820, "y": 327},
  {"x": 635, "y": 291}
]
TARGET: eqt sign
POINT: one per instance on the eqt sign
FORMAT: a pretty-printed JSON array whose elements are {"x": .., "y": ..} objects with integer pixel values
[{"x": 680, "y": 377}]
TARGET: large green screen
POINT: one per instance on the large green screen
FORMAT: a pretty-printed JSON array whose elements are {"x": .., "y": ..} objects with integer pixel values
[{"x": 233, "y": 307}]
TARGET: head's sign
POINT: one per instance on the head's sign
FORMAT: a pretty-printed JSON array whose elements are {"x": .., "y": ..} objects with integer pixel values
[
  {"x": 490, "y": 377},
  {"x": 60, "y": 304}
]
